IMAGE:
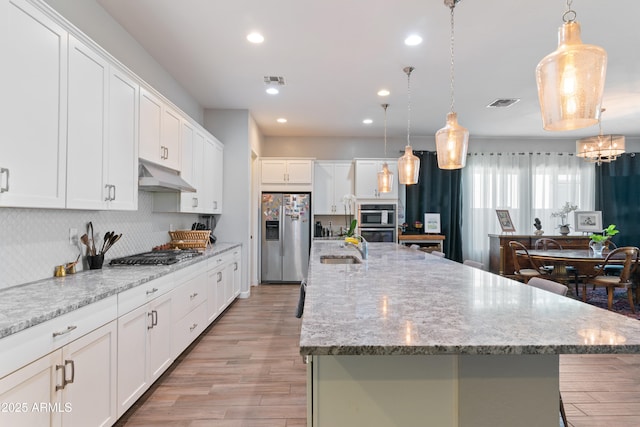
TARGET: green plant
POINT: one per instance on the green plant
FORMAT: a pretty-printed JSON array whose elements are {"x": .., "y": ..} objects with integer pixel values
[
  {"x": 352, "y": 227},
  {"x": 605, "y": 234}
]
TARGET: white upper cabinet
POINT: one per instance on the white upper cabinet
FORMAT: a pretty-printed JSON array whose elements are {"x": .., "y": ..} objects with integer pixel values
[
  {"x": 159, "y": 131},
  {"x": 122, "y": 142},
  {"x": 86, "y": 160},
  {"x": 191, "y": 170},
  {"x": 367, "y": 178},
  {"x": 102, "y": 167},
  {"x": 34, "y": 108},
  {"x": 331, "y": 182},
  {"x": 286, "y": 174},
  {"x": 216, "y": 176}
]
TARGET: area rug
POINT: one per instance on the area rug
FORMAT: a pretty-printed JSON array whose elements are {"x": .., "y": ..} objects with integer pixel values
[{"x": 598, "y": 297}]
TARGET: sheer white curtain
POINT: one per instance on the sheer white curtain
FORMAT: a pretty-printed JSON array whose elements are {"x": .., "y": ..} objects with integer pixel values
[{"x": 529, "y": 185}]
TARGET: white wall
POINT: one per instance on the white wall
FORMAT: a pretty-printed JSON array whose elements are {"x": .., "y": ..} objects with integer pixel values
[
  {"x": 233, "y": 128},
  {"x": 90, "y": 18},
  {"x": 348, "y": 148}
]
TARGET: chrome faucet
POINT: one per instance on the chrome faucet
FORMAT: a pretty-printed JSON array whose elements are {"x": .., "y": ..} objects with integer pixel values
[{"x": 364, "y": 251}]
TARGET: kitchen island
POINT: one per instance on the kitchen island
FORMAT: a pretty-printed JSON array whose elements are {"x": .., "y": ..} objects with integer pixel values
[{"x": 409, "y": 339}]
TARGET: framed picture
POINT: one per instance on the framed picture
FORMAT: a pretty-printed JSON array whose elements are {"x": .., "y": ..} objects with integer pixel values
[
  {"x": 432, "y": 223},
  {"x": 505, "y": 220},
  {"x": 588, "y": 221}
]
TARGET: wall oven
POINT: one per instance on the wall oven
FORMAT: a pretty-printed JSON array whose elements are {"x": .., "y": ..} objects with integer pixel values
[{"x": 377, "y": 222}]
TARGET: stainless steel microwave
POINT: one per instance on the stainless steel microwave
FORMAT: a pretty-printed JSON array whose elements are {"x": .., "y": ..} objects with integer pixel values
[{"x": 377, "y": 215}]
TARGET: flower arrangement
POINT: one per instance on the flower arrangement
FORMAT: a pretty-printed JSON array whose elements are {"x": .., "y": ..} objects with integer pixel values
[
  {"x": 604, "y": 234},
  {"x": 348, "y": 200},
  {"x": 564, "y": 212}
]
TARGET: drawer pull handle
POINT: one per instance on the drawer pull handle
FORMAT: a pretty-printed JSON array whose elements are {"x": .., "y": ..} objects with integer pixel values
[
  {"x": 195, "y": 325},
  {"x": 152, "y": 291},
  {"x": 4, "y": 188},
  {"x": 193, "y": 295},
  {"x": 66, "y": 331},
  {"x": 154, "y": 319}
]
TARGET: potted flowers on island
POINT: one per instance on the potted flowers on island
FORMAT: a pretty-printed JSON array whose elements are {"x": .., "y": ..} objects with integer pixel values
[
  {"x": 599, "y": 240},
  {"x": 563, "y": 213}
]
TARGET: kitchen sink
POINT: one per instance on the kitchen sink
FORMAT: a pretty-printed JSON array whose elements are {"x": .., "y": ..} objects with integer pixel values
[{"x": 339, "y": 259}]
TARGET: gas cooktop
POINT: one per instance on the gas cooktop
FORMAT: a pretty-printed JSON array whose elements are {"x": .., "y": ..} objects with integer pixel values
[{"x": 156, "y": 257}]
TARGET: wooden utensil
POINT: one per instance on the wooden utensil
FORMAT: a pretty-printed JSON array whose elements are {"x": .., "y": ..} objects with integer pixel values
[{"x": 85, "y": 239}]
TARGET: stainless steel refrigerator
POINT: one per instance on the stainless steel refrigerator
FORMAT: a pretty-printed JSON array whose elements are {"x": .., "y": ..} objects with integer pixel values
[{"x": 286, "y": 236}]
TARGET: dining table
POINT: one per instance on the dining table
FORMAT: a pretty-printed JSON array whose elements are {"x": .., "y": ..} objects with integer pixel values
[{"x": 583, "y": 262}]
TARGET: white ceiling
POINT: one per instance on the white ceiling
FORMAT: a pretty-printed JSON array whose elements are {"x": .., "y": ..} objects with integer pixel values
[{"x": 336, "y": 54}]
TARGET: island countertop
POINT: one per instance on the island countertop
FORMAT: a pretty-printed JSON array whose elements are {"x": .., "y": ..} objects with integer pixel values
[{"x": 405, "y": 302}]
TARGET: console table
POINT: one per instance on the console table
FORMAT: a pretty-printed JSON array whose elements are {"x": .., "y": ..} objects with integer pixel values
[
  {"x": 427, "y": 242},
  {"x": 501, "y": 259}
]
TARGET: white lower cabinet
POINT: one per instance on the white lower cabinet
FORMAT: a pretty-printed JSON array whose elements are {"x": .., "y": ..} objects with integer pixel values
[
  {"x": 144, "y": 348},
  {"x": 189, "y": 309},
  {"x": 72, "y": 386},
  {"x": 87, "y": 367}
]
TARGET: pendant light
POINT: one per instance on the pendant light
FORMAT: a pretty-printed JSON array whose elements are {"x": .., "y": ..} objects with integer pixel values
[
  {"x": 408, "y": 164},
  {"x": 571, "y": 79},
  {"x": 601, "y": 148},
  {"x": 385, "y": 176},
  {"x": 452, "y": 141}
]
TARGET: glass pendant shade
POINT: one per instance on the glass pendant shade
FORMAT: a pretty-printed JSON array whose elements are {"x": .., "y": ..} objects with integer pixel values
[
  {"x": 408, "y": 167},
  {"x": 452, "y": 142},
  {"x": 571, "y": 82},
  {"x": 385, "y": 179},
  {"x": 601, "y": 148}
]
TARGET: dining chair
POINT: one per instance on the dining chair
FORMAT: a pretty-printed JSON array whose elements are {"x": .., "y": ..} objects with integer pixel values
[
  {"x": 546, "y": 243},
  {"x": 438, "y": 253},
  {"x": 548, "y": 285},
  {"x": 472, "y": 263},
  {"x": 599, "y": 278},
  {"x": 521, "y": 273}
]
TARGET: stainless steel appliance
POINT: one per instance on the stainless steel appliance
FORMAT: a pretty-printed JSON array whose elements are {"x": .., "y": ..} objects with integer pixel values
[
  {"x": 286, "y": 236},
  {"x": 156, "y": 257},
  {"x": 377, "y": 215},
  {"x": 377, "y": 222}
]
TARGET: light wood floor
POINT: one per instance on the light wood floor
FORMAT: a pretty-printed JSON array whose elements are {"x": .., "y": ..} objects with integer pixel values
[{"x": 246, "y": 371}]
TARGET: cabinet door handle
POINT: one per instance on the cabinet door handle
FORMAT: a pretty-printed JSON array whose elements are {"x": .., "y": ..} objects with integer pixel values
[
  {"x": 195, "y": 325},
  {"x": 154, "y": 319},
  {"x": 152, "y": 291},
  {"x": 162, "y": 152},
  {"x": 193, "y": 295},
  {"x": 58, "y": 386},
  {"x": 235, "y": 266},
  {"x": 73, "y": 373},
  {"x": 215, "y": 204},
  {"x": 5, "y": 187},
  {"x": 219, "y": 276},
  {"x": 195, "y": 202},
  {"x": 114, "y": 192},
  {"x": 167, "y": 152},
  {"x": 66, "y": 331}
]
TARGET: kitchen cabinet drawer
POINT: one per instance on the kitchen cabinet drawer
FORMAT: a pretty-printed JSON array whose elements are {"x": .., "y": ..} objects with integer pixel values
[
  {"x": 189, "y": 295},
  {"x": 37, "y": 341},
  {"x": 188, "y": 328},
  {"x": 140, "y": 295}
]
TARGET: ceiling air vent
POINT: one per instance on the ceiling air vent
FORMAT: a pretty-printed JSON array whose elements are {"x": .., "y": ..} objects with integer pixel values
[
  {"x": 503, "y": 102},
  {"x": 274, "y": 80}
]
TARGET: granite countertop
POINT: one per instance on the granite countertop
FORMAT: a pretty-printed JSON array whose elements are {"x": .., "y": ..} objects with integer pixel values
[
  {"x": 406, "y": 302},
  {"x": 30, "y": 304}
]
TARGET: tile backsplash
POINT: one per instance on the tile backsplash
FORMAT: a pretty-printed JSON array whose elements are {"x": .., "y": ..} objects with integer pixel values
[{"x": 34, "y": 241}]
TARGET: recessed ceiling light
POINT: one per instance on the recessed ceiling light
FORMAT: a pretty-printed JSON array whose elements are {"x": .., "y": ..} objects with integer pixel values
[
  {"x": 255, "y": 37},
  {"x": 272, "y": 91},
  {"x": 282, "y": 120},
  {"x": 413, "y": 40},
  {"x": 367, "y": 121},
  {"x": 383, "y": 92}
]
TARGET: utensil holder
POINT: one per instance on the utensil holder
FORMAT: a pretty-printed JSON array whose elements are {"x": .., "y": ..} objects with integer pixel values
[{"x": 95, "y": 261}]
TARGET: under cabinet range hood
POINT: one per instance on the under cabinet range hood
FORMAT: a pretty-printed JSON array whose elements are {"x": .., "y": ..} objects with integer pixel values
[{"x": 156, "y": 178}]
